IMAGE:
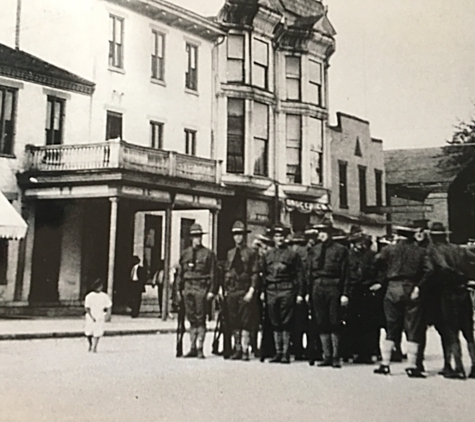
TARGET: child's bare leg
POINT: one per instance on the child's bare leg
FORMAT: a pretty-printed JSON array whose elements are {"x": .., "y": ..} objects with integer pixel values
[
  {"x": 95, "y": 343},
  {"x": 89, "y": 340}
]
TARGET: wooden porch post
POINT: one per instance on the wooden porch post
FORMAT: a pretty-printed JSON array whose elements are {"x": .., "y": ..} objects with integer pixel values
[
  {"x": 167, "y": 260},
  {"x": 112, "y": 245}
]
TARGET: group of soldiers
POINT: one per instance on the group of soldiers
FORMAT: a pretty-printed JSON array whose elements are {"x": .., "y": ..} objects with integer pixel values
[{"x": 336, "y": 290}]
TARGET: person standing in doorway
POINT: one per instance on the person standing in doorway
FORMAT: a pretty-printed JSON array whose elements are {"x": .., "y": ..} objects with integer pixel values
[
  {"x": 197, "y": 284},
  {"x": 137, "y": 280}
]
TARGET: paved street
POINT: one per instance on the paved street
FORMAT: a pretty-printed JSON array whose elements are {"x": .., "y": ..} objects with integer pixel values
[{"x": 137, "y": 378}]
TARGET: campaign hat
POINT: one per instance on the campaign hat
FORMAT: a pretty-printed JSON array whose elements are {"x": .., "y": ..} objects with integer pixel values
[{"x": 196, "y": 230}]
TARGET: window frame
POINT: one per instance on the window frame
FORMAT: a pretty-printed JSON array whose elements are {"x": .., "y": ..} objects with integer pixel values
[
  {"x": 191, "y": 74},
  {"x": 265, "y": 156},
  {"x": 116, "y": 49},
  {"x": 291, "y": 77},
  {"x": 157, "y": 62},
  {"x": 316, "y": 84},
  {"x": 232, "y": 158},
  {"x": 190, "y": 134},
  {"x": 153, "y": 140},
  {"x": 3, "y": 134},
  {"x": 343, "y": 184},
  {"x": 50, "y": 132},
  {"x": 297, "y": 176},
  {"x": 363, "y": 187},
  {"x": 116, "y": 114},
  {"x": 260, "y": 65},
  {"x": 236, "y": 59}
]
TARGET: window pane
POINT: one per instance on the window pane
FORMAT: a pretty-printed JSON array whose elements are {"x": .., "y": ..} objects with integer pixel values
[
  {"x": 111, "y": 28},
  {"x": 293, "y": 127},
  {"x": 8, "y": 112},
  {"x": 260, "y": 121},
  {"x": 292, "y": 66},
  {"x": 57, "y": 115},
  {"x": 118, "y": 31},
  {"x": 315, "y": 134},
  {"x": 236, "y": 47},
  {"x": 259, "y": 76},
  {"x": 313, "y": 94},
  {"x": 193, "y": 57},
  {"x": 260, "y": 157},
  {"x": 49, "y": 110},
  {"x": 160, "y": 43},
  {"x": 260, "y": 52},
  {"x": 235, "y": 71},
  {"x": 293, "y": 89},
  {"x": 315, "y": 72},
  {"x": 293, "y": 156}
]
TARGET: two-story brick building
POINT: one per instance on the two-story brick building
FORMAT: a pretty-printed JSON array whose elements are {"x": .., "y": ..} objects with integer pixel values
[
  {"x": 358, "y": 177},
  {"x": 272, "y": 112}
]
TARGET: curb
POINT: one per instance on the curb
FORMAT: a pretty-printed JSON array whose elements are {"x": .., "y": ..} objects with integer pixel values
[{"x": 77, "y": 334}]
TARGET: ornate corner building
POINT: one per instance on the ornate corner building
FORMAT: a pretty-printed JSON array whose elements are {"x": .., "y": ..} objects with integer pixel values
[{"x": 272, "y": 112}]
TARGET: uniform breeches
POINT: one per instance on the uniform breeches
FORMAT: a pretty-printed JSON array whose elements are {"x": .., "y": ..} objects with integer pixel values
[
  {"x": 281, "y": 306},
  {"x": 457, "y": 314},
  {"x": 403, "y": 313},
  {"x": 326, "y": 308},
  {"x": 242, "y": 314},
  {"x": 195, "y": 305}
]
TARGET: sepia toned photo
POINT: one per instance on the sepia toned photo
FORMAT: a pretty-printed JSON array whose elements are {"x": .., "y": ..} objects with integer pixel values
[{"x": 237, "y": 210}]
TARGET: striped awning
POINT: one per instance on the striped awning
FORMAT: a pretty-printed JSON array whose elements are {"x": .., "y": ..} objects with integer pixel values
[{"x": 12, "y": 225}]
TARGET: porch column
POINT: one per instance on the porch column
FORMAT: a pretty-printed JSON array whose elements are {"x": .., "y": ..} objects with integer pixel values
[
  {"x": 112, "y": 245},
  {"x": 167, "y": 261}
]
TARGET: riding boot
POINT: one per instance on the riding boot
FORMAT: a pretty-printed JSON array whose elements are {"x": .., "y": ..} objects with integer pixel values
[
  {"x": 201, "y": 339},
  {"x": 193, "y": 336},
  {"x": 335, "y": 338},
  {"x": 286, "y": 347},
  {"x": 278, "y": 339},
  {"x": 327, "y": 350}
]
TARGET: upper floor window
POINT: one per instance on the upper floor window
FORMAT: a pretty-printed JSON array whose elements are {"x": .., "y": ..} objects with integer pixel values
[
  {"x": 315, "y": 79},
  {"x": 362, "y": 180},
  {"x": 294, "y": 148},
  {"x": 7, "y": 119},
  {"x": 113, "y": 125},
  {"x": 54, "y": 120},
  {"x": 343, "y": 183},
  {"x": 260, "y": 64},
  {"x": 378, "y": 178},
  {"x": 293, "y": 75},
  {"x": 158, "y": 55},
  {"x": 235, "y": 54},
  {"x": 235, "y": 149},
  {"x": 191, "y": 77},
  {"x": 116, "y": 42},
  {"x": 190, "y": 142},
  {"x": 156, "y": 135},
  {"x": 315, "y": 133},
  {"x": 260, "y": 126}
]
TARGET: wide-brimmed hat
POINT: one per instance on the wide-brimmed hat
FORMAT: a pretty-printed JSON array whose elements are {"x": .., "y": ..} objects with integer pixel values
[
  {"x": 239, "y": 228},
  {"x": 298, "y": 237},
  {"x": 196, "y": 230},
  {"x": 356, "y": 233},
  {"x": 279, "y": 229},
  {"x": 438, "y": 228},
  {"x": 325, "y": 225},
  {"x": 407, "y": 230},
  {"x": 339, "y": 234}
]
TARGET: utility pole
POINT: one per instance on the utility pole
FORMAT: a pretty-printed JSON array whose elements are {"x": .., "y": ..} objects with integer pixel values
[{"x": 18, "y": 24}]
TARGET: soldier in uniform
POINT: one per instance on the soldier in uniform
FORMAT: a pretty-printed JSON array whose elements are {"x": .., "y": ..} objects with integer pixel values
[
  {"x": 283, "y": 284},
  {"x": 241, "y": 279},
  {"x": 452, "y": 267},
  {"x": 408, "y": 269},
  {"x": 326, "y": 275},
  {"x": 198, "y": 286}
]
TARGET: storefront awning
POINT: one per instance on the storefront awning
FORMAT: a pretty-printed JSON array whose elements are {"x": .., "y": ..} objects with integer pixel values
[{"x": 12, "y": 225}]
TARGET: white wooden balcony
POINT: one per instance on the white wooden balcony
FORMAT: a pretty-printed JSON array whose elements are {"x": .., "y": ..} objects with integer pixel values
[{"x": 118, "y": 155}]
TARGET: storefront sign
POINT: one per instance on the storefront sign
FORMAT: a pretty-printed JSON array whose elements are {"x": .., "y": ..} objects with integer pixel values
[{"x": 305, "y": 207}]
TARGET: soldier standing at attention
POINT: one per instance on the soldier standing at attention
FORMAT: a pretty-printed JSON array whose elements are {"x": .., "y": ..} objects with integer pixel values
[
  {"x": 327, "y": 270},
  {"x": 283, "y": 283},
  {"x": 408, "y": 269},
  {"x": 198, "y": 286},
  {"x": 240, "y": 279}
]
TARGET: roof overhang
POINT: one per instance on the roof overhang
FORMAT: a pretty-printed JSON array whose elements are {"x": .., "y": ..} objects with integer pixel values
[{"x": 12, "y": 225}]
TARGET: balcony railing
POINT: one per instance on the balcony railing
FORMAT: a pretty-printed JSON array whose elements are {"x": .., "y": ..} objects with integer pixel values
[{"x": 121, "y": 155}]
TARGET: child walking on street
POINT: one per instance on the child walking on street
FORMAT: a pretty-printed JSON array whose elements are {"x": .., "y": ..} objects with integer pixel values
[{"x": 98, "y": 305}]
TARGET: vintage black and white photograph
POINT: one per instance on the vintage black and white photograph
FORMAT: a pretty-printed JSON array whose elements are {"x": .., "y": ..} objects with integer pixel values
[{"x": 237, "y": 210}]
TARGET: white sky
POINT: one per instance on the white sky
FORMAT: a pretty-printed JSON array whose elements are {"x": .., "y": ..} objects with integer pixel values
[{"x": 407, "y": 66}]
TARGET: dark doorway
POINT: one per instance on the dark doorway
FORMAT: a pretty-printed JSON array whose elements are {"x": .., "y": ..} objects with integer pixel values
[
  {"x": 299, "y": 221},
  {"x": 46, "y": 252},
  {"x": 152, "y": 243},
  {"x": 113, "y": 125}
]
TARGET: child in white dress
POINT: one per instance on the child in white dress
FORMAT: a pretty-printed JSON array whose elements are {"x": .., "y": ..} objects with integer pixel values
[{"x": 98, "y": 305}]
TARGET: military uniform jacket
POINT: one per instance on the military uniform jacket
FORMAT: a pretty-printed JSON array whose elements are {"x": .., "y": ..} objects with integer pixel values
[
  {"x": 282, "y": 270},
  {"x": 333, "y": 269},
  {"x": 406, "y": 261},
  {"x": 202, "y": 272},
  {"x": 250, "y": 274},
  {"x": 361, "y": 270}
]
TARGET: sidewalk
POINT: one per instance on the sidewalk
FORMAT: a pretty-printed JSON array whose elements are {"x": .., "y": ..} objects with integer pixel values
[{"x": 120, "y": 325}]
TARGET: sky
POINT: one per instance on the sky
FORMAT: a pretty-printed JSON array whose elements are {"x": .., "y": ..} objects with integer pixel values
[{"x": 406, "y": 66}]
